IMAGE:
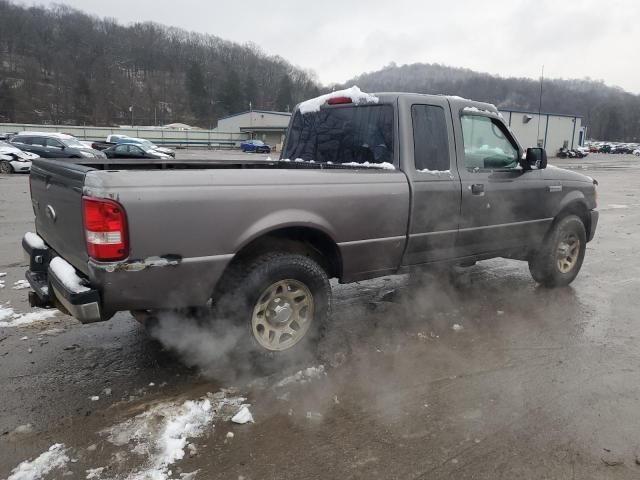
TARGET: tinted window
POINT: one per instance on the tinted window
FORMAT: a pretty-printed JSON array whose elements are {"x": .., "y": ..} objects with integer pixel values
[
  {"x": 122, "y": 148},
  {"x": 487, "y": 143},
  {"x": 21, "y": 139},
  {"x": 430, "y": 138},
  {"x": 72, "y": 142},
  {"x": 342, "y": 135},
  {"x": 52, "y": 142},
  {"x": 41, "y": 141}
]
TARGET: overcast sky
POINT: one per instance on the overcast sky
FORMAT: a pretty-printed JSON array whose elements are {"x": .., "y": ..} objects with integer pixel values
[{"x": 339, "y": 39}]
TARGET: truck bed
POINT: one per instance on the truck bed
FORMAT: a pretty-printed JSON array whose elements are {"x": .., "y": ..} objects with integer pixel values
[
  {"x": 231, "y": 163},
  {"x": 193, "y": 218}
]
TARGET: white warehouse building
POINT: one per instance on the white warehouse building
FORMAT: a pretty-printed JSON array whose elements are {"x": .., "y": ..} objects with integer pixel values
[
  {"x": 552, "y": 131},
  {"x": 265, "y": 125}
]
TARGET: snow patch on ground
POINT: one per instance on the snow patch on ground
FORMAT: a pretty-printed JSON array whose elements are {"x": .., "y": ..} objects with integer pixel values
[
  {"x": 94, "y": 473},
  {"x": 54, "y": 458},
  {"x": 243, "y": 416},
  {"x": 356, "y": 95},
  {"x": 303, "y": 376},
  {"x": 162, "y": 434},
  {"x": 616, "y": 206},
  {"x": 9, "y": 318},
  {"x": 21, "y": 285}
]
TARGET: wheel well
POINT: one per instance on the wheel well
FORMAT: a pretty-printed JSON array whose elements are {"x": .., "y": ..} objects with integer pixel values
[
  {"x": 302, "y": 240},
  {"x": 580, "y": 210}
]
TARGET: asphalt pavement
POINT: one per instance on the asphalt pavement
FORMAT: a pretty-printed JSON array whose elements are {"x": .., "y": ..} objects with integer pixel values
[{"x": 485, "y": 377}]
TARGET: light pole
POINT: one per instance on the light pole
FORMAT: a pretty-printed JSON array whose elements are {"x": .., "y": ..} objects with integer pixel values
[{"x": 131, "y": 110}]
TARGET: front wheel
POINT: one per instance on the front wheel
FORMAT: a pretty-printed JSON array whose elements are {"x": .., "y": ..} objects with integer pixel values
[
  {"x": 560, "y": 258},
  {"x": 280, "y": 300},
  {"x": 5, "y": 167}
]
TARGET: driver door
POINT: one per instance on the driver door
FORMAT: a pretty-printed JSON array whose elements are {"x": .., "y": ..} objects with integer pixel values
[
  {"x": 502, "y": 204},
  {"x": 136, "y": 152},
  {"x": 54, "y": 148},
  {"x": 121, "y": 151}
]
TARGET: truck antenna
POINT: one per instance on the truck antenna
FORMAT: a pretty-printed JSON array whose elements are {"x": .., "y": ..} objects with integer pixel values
[{"x": 540, "y": 102}]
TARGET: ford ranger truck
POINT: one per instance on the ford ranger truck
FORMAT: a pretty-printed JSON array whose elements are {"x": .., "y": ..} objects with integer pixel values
[{"x": 367, "y": 185}]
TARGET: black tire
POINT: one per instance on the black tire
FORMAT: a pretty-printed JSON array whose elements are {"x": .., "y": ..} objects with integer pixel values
[
  {"x": 549, "y": 266},
  {"x": 246, "y": 283},
  {"x": 5, "y": 167}
]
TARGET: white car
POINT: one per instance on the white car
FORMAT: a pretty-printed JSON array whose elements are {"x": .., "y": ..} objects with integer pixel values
[{"x": 14, "y": 160}]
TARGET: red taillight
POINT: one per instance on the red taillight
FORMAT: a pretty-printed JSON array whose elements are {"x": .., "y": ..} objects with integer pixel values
[
  {"x": 105, "y": 226},
  {"x": 339, "y": 100}
]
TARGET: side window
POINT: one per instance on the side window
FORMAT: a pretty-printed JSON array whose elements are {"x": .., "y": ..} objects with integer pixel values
[
  {"x": 487, "y": 144},
  {"x": 22, "y": 140},
  {"x": 52, "y": 142},
  {"x": 430, "y": 138},
  {"x": 122, "y": 148},
  {"x": 135, "y": 150},
  {"x": 40, "y": 141}
]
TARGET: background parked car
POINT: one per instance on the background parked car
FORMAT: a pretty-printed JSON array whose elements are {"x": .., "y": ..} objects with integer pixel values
[
  {"x": 14, "y": 160},
  {"x": 146, "y": 144},
  {"x": 132, "y": 150},
  {"x": 54, "y": 145},
  {"x": 637, "y": 152},
  {"x": 256, "y": 146}
]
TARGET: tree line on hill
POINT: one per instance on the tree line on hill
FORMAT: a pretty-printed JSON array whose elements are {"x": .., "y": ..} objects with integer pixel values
[
  {"x": 61, "y": 66},
  {"x": 609, "y": 112}
]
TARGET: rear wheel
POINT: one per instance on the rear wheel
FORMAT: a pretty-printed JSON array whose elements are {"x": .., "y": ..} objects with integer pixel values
[
  {"x": 5, "y": 167},
  {"x": 280, "y": 300},
  {"x": 560, "y": 258}
]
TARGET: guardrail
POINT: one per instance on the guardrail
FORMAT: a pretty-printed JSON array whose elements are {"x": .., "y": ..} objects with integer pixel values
[{"x": 160, "y": 136}]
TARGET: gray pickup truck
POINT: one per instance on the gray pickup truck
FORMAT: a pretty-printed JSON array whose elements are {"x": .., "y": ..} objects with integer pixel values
[{"x": 366, "y": 186}]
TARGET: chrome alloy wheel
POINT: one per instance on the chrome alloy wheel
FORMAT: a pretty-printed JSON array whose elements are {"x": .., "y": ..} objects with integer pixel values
[{"x": 282, "y": 315}]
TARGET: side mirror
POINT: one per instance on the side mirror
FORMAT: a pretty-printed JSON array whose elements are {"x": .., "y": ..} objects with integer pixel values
[{"x": 536, "y": 157}]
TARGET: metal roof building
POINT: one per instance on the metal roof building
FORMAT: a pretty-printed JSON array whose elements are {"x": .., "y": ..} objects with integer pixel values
[
  {"x": 265, "y": 125},
  {"x": 551, "y": 131}
]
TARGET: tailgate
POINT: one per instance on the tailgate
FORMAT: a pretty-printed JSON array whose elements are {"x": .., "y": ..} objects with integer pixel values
[{"x": 56, "y": 195}]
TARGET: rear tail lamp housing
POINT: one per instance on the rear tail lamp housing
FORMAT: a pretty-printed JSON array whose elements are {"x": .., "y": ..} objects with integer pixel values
[{"x": 105, "y": 227}]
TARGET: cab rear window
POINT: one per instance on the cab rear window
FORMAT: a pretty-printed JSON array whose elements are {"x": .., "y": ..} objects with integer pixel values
[{"x": 349, "y": 134}]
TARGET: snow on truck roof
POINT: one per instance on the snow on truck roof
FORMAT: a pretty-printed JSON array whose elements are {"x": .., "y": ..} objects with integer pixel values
[{"x": 356, "y": 96}]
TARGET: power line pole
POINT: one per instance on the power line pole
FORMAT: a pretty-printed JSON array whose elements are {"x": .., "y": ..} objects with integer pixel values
[{"x": 540, "y": 102}]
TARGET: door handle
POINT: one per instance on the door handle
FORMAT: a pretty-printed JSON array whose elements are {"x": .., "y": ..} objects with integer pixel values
[{"x": 477, "y": 189}]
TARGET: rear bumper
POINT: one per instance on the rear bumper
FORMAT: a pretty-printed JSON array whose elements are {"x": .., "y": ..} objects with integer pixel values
[
  {"x": 595, "y": 215},
  {"x": 53, "y": 284}
]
